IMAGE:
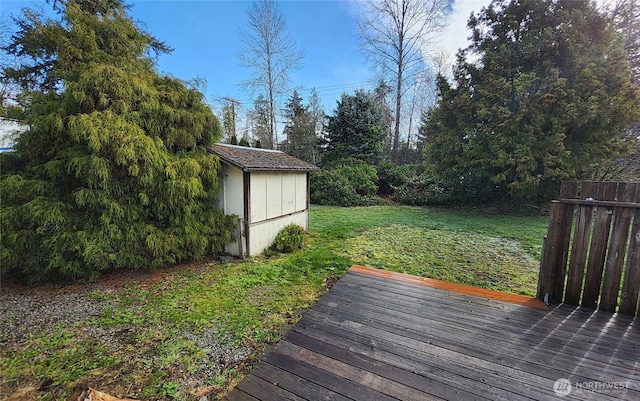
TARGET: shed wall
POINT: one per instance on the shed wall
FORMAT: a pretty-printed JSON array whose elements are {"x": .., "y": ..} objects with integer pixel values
[
  {"x": 232, "y": 202},
  {"x": 264, "y": 233},
  {"x": 275, "y": 194},
  {"x": 276, "y": 199},
  {"x": 9, "y": 131}
]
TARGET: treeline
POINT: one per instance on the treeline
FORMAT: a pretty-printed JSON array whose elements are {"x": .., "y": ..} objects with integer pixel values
[{"x": 547, "y": 91}]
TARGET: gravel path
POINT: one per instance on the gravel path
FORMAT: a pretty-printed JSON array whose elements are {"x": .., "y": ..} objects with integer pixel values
[{"x": 23, "y": 315}]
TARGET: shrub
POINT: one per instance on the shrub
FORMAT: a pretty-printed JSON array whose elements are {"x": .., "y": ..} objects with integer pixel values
[
  {"x": 392, "y": 176},
  {"x": 329, "y": 188},
  {"x": 289, "y": 239},
  {"x": 362, "y": 176},
  {"x": 421, "y": 190},
  {"x": 467, "y": 188},
  {"x": 349, "y": 182},
  {"x": 113, "y": 172}
]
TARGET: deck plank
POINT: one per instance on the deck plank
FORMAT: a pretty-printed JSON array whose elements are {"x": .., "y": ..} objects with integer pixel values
[
  {"x": 390, "y": 376},
  {"x": 440, "y": 367},
  {"x": 337, "y": 379},
  {"x": 509, "y": 319},
  {"x": 263, "y": 390},
  {"x": 291, "y": 382},
  {"x": 377, "y": 337},
  {"x": 239, "y": 395},
  {"x": 601, "y": 348},
  {"x": 536, "y": 365},
  {"x": 483, "y": 307}
]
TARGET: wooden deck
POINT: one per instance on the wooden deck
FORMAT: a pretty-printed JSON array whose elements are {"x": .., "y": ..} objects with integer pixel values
[{"x": 381, "y": 336}]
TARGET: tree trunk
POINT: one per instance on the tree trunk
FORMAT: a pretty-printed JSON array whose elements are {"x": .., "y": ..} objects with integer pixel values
[{"x": 400, "y": 65}]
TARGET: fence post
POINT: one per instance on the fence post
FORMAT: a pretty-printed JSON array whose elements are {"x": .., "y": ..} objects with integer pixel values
[
  {"x": 548, "y": 271},
  {"x": 545, "y": 277}
]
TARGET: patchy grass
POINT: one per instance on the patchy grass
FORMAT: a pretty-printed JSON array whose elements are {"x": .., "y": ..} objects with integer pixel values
[
  {"x": 499, "y": 252},
  {"x": 150, "y": 340},
  {"x": 461, "y": 257}
]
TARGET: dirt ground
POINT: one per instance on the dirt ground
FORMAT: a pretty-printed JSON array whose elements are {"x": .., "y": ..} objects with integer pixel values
[{"x": 115, "y": 280}]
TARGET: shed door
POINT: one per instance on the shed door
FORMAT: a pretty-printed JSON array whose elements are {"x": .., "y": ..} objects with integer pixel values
[{"x": 275, "y": 194}]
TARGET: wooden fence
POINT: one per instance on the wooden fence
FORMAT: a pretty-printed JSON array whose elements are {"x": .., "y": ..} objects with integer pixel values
[{"x": 599, "y": 265}]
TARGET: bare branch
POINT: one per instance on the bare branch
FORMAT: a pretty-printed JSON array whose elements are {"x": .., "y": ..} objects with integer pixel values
[
  {"x": 270, "y": 53},
  {"x": 396, "y": 35}
]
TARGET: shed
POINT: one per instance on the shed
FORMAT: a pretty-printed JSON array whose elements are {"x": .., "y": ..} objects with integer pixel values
[
  {"x": 266, "y": 189},
  {"x": 9, "y": 131}
]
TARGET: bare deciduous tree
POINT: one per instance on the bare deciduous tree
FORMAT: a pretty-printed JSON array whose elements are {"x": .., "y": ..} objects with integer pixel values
[
  {"x": 395, "y": 35},
  {"x": 270, "y": 53}
]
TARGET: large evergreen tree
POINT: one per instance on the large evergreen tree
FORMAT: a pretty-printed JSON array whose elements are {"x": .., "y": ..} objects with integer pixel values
[
  {"x": 542, "y": 94},
  {"x": 113, "y": 173},
  {"x": 260, "y": 124},
  {"x": 356, "y": 130},
  {"x": 301, "y": 139}
]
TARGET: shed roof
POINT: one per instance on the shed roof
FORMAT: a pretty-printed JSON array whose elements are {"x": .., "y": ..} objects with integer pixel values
[{"x": 254, "y": 159}]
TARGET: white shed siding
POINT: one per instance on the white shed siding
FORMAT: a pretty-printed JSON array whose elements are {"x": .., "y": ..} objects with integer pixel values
[
  {"x": 232, "y": 198},
  {"x": 264, "y": 233},
  {"x": 258, "y": 193},
  {"x": 301, "y": 192},
  {"x": 289, "y": 193},
  {"x": 274, "y": 195},
  {"x": 233, "y": 191},
  {"x": 276, "y": 200}
]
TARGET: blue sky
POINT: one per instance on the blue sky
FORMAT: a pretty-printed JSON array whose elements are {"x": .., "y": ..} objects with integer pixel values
[{"x": 205, "y": 38}]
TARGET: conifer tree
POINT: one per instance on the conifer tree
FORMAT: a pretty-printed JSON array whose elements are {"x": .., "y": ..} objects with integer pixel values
[
  {"x": 260, "y": 122},
  {"x": 542, "y": 94},
  {"x": 301, "y": 139},
  {"x": 356, "y": 130},
  {"x": 113, "y": 173}
]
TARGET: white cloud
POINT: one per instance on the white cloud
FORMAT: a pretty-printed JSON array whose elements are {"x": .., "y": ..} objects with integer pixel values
[{"x": 456, "y": 33}]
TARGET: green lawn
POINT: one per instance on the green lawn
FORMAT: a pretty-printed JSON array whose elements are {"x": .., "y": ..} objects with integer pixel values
[
  {"x": 496, "y": 252},
  {"x": 246, "y": 305}
]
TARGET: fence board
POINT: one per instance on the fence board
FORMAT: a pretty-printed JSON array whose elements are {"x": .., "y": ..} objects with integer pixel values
[
  {"x": 580, "y": 244},
  {"x": 555, "y": 247},
  {"x": 599, "y": 240},
  {"x": 617, "y": 246},
  {"x": 607, "y": 213},
  {"x": 551, "y": 254},
  {"x": 631, "y": 286},
  {"x": 567, "y": 190}
]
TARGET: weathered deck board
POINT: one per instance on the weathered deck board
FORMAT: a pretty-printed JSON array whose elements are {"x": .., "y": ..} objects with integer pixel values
[{"x": 394, "y": 338}]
